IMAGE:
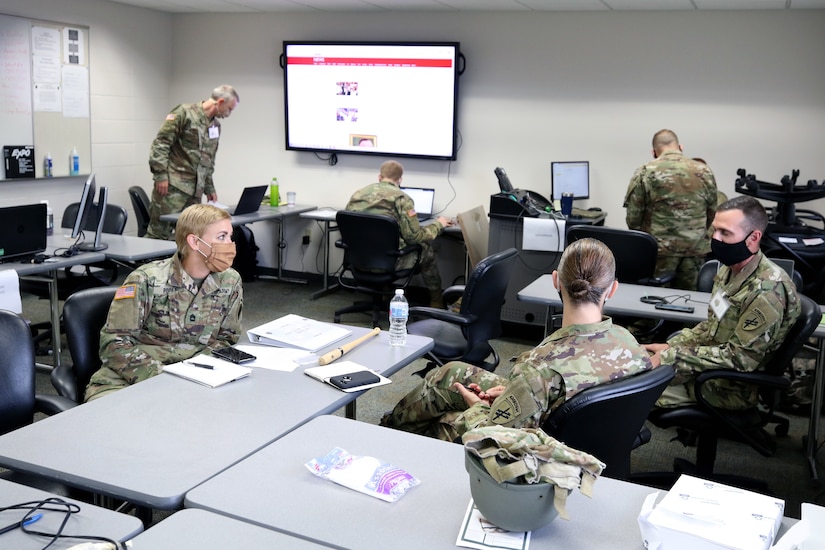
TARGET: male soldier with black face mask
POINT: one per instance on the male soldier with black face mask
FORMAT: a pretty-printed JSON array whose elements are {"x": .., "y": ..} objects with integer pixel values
[{"x": 753, "y": 305}]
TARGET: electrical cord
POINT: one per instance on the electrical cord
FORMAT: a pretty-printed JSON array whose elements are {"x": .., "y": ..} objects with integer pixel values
[{"x": 60, "y": 506}]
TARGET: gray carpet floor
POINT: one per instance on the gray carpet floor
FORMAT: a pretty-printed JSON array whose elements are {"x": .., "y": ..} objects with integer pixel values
[{"x": 786, "y": 472}]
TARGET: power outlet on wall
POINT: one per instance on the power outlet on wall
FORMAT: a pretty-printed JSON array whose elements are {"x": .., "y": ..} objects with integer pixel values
[{"x": 305, "y": 240}]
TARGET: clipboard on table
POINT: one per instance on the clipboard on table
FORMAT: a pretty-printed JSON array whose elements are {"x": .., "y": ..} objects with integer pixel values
[
  {"x": 336, "y": 375},
  {"x": 294, "y": 331}
]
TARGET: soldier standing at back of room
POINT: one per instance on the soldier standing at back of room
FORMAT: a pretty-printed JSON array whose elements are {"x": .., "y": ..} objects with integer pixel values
[
  {"x": 182, "y": 158},
  {"x": 673, "y": 198}
]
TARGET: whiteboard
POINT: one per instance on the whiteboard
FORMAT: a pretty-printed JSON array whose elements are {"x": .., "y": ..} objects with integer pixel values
[{"x": 44, "y": 91}]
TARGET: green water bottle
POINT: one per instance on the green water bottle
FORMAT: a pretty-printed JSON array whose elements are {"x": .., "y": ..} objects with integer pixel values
[{"x": 273, "y": 193}]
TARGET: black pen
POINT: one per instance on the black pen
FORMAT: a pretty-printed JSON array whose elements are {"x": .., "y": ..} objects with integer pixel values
[
  {"x": 201, "y": 365},
  {"x": 18, "y": 524}
]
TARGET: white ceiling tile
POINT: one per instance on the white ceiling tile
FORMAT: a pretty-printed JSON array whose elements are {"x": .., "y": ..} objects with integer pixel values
[
  {"x": 642, "y": 5},
  {"x": 736, "y": 4}
]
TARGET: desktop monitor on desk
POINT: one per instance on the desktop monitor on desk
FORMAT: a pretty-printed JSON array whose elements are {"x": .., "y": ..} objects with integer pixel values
[
  {"x": 87, "y": 208},
  {"x": 570, "y": 177}
]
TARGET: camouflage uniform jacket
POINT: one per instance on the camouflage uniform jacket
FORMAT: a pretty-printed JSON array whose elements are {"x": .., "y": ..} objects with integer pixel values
[
  {"x": 183, "y": 153},
  {"x": 674, "y": 199},
  {"x": 568, "y": 361},
  {"x": 387, "y": 199},
  {"x": 763, "y": 307},
  {"x": 160, "y": 316}
]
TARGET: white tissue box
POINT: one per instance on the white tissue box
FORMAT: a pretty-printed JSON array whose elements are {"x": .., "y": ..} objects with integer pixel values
[{"x": 705, "y": 515}]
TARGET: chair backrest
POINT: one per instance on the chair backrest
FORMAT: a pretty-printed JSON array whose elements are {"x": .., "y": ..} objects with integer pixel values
[
  {"x": 798, "y": 335},
  {"x": 17, "y": 372},
  {"x": 115, "y": 222},
  {"x": 605, "y": 420},
  {"x": 370, "y": 242},
  {"x": 140, "y": 204},
  {"x": 484, "y": 295},
  {"x": 84, "y": 314},
  {"x": 704, "y": 283},
  {"x": 475, "y": 229},
  {"x": 635, "y": 251}
]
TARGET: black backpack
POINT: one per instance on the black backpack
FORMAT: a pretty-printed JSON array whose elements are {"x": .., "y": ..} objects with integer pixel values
[{"x": 246, "y": 258}]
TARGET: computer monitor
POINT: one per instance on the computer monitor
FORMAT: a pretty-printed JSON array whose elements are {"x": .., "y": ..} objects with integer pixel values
[
  {"x": 102, "y": 202},
  {"x": 570, "y": 177},
  {"x": 84, "y": 207}
]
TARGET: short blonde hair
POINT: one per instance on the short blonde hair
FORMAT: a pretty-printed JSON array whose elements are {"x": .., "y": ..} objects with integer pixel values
[
  {"x": 392, "y": 170},
  {"x": 193, "y": 221}
]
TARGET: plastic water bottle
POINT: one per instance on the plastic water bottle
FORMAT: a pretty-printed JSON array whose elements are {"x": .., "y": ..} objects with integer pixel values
[
  {"x": 74, "y": 168},
  {"x": 48, "y": 166},
  {"x": 399, "y": 312}
]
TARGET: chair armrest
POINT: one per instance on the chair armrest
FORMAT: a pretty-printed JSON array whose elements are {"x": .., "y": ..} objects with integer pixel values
[
  {"x": 442, "y": 315},
  {"x": 661, "y": 280},
  {"x": 52, "y": 404},
  {"x": 757, "y": 378},
  {"x": 452, "y": 293},
  {"x": 409, "y": 249}
]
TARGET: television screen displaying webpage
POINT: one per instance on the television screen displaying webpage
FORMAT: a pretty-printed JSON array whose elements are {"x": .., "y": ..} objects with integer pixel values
[{"x": 392, "y": 99}]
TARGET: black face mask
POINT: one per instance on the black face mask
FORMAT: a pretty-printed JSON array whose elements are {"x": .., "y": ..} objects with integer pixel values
[{"x": 730, "y": 253}]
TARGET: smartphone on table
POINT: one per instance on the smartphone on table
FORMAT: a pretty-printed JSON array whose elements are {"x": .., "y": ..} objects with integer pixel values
[{"x": 233, "y": 354}]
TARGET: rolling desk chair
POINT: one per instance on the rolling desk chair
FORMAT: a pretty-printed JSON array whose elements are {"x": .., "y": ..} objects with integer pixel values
[{"x": 140, "y": 204}]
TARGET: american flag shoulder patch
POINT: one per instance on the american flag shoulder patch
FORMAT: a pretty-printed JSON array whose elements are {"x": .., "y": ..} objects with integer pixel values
[{"x": 125, "y": 292}]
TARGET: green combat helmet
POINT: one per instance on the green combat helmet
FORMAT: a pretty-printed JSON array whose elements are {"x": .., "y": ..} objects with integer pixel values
[{"x": 514, "y": 474}]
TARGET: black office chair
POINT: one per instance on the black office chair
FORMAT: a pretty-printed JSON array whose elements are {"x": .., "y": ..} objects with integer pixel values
[
  {"x": 370, "y": 244},
  {"x": 608, "y": 420},
  {"x": 703, "y": 424},
  {"x": 140, "y": 204},
  {"x": 84, "y": 314},
  {"x": 708, "y": 271},
  {"x": 18, "y": 400},
  {"x": 635, "y": 253},
  {"x": 465, "y": 336}
]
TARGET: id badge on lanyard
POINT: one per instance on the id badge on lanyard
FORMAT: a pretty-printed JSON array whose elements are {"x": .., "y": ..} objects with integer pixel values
[
  {"x": 214, "y": 132},
  {"x": 719, "y": 304}
]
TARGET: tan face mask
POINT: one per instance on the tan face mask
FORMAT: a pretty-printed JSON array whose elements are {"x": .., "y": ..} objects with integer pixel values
[{"x": 220, "y": 257}]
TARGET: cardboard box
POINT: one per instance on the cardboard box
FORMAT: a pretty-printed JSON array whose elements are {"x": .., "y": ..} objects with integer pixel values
[{"x": 705, "y": 515}]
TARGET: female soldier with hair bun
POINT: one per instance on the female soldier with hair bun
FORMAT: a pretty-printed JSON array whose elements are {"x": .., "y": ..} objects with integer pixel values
[{"x": 587, "y": 350}]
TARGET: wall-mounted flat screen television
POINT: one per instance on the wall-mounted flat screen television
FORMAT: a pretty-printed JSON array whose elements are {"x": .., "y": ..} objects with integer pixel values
[{"x": 379, "y": 98}]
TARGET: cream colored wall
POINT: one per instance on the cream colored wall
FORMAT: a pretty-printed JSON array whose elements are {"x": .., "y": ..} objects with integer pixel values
[{"x": 742, "y": 90}]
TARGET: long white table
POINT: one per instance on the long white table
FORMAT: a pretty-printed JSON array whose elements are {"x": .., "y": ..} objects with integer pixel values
[
  {"x": 207, "y": 531},
  {"x": 90, "y": 520},
  {"x": 627, "y": 301},
  {"x": 152, "y": 442},
  {"x": 273, "y": 489}
]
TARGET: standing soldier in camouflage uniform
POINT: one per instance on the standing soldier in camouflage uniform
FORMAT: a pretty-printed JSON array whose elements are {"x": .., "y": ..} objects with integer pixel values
[
  {"x": 753, "y": 305},
  {"x": 171, "y": 310},
  {"x": 587, "y": 350},
  {"x": 183, "y": 157},
  {"x": 673, "y": 198},
  {"x": 386, "y": 198}
]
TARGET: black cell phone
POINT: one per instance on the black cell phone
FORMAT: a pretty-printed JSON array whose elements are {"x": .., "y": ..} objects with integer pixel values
[
  {"x": 674, "y": 307},
  {"x": 233, "y": 354},
  {"x": 354, "y": 380}
]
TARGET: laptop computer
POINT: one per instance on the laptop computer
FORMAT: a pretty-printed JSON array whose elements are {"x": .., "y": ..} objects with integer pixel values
[
  {"x": 250, "y": 200},
  {"x": 22, "y": 230},
  {"x": 423, "y": 199}
]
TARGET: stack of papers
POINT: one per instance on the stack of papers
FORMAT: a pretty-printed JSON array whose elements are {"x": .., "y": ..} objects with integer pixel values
[
  {"x": 222, "y": 372},
  {"x": 294, "y": 331}
]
